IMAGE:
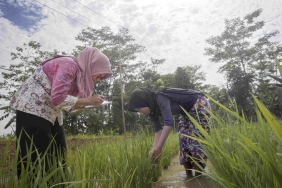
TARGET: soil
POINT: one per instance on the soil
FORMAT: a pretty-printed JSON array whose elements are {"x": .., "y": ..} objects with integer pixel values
[{"x": 10, "y": 154}]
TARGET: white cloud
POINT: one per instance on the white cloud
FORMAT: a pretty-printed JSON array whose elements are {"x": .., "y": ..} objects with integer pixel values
[
  {"x": 179, "y": 27},
  {"x": 11, "y": 36}
]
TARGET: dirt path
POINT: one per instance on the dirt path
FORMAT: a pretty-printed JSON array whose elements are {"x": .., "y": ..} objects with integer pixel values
[{"x": 174, "y": 176}]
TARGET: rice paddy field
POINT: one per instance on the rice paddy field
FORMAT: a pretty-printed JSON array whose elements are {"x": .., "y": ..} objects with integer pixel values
[
  {"x": 241, "y": 152},
  {"x": 245, "y": 153},
  {"x": 109, "y": 161}
]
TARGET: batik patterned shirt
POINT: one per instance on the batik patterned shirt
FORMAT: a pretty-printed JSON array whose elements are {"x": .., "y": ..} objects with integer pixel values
[{"x": 49, "y": 90}]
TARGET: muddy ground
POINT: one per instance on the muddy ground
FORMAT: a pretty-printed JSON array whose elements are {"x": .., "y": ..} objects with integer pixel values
[{"x": 174, "y": 177}]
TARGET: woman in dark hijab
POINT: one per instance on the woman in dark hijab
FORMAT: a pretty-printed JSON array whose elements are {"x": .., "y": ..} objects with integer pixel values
[{"x": 158, "y": 104}]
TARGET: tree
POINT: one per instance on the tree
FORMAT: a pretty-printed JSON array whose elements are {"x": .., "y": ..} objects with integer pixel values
[
  {"x": 131, "y": 119},
  {"x": 271, "y": 93},
  {"x": 29, "y": 57},
  {"x": 122, "y": 51},
  {"x": 240, "y": 88},
  {"x": 168, "y": 79},
  {"x": 245, "y": 61},
  {"x": 119, "y": 47},
  {"x": 189, "y": 77}
]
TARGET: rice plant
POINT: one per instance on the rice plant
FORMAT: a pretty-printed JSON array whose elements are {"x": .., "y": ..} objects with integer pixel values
[
  {"x": 244, "y": 153},
  {"x": 110, "y": 163}
]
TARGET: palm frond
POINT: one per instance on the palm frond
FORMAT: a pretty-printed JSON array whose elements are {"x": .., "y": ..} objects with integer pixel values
[
  {"x": 5, "y": 108},
  {"x": 275, "y": 78},
  {"x": 4, "y": 116},
  {"x": 10, "y": 122}
]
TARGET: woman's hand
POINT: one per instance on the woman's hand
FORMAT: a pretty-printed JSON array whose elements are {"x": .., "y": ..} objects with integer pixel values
[
  {"x": 159, "y": 140},
  {"x": 75, "y": 109},
  {"x": 157, "y": 154},
  {"x": 96, "y": 100}
]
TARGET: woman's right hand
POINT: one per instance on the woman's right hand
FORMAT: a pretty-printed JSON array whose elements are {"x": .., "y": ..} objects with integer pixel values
[{"x": 96, "y": 100}]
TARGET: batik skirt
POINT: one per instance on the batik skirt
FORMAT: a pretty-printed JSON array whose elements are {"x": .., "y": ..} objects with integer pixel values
[{"x": 191, "y": 149}]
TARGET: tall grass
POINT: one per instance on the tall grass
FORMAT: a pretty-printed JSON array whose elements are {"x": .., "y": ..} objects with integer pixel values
[
  {"x": 244, "y": 153},
  {"x": 6, "y": 137},
  {"x": 122, "y": 163}
]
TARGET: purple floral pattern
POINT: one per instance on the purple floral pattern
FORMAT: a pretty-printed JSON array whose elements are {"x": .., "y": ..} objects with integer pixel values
[
  {"x": 33, "y": 97},
  {"x": 188, "y": 146}
]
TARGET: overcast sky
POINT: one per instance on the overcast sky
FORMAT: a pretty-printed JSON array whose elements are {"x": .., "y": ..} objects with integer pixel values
[{"x": 172, "y": 30}]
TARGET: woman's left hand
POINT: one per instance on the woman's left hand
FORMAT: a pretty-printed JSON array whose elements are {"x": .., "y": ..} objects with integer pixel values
[{"x": 157, "y": 154}]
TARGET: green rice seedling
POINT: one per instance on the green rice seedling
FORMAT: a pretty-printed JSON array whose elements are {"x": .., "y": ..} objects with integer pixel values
[
  {"x": 7, "y": 137},
  {"x": 116, "y": 162},
  {"x": 4, "y": 168},
  {"x": 32, "y": 174},
  {"x": 244, "y": 153},
  {"x": 126, "y": 164}
]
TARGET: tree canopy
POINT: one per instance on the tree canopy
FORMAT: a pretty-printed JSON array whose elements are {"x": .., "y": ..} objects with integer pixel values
[{"x": 245, "y": 60}]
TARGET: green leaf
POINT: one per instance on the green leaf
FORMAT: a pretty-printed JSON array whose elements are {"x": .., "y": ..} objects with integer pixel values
[
  {"x": 270, "y": 119},
  {"x": 278, "y": 65}
]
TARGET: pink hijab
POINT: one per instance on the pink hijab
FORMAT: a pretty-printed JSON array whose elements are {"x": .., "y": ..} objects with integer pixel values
[{"x": 91, "y": 61}]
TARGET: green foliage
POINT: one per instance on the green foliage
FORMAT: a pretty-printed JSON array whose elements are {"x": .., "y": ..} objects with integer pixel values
[
  {"x": 189, "y": 77},
  {"x": 240, "y": 90},
  {"x": 122, "y": 51},
  {"x": 150, "y": 79},
  {"x": 28, "y": 58},
  {"x": 271, "y": 93},
  {"x": 245, "y": 62},
  {"x": 168, "y": 80},
  {"x": 220, "y": 94},
  {"x": 84, "y": 121},
  {"x": 116, "y": 120},
  {"x": 280, "y": 71},
  {"x": 115, "y": 162},
  {"x": 244, "y": 153},
  {"x": 271, "y": 96},
  {"x": 115, "y": 46},
  {"x": 278, "y": 65}
]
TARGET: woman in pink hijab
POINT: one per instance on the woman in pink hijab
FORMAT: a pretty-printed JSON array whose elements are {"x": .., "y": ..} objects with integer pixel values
[{"x": 62, "y": 82}]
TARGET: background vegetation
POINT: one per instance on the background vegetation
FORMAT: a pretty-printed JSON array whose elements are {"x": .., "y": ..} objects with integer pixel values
[
  {"x": 245, "y": 144},
  {"x": 246, "y": 65}
]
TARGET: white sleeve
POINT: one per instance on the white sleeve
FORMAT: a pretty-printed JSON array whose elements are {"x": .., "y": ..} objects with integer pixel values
[{"x": 68, "y": 103}]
